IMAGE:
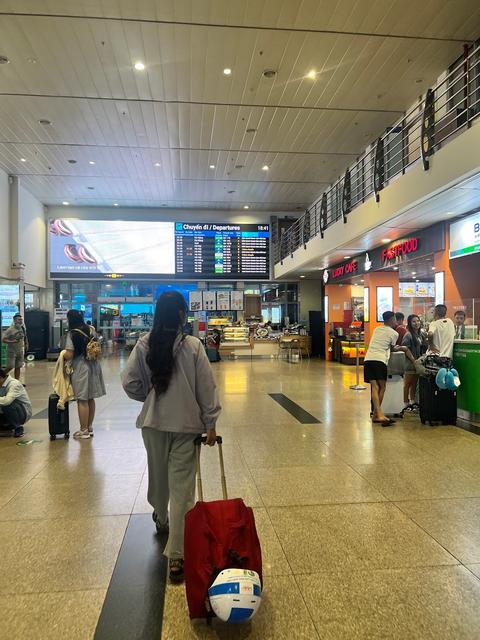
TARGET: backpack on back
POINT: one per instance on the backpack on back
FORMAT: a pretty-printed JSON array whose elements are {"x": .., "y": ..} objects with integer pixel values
[{"x": 93, "y": 348}]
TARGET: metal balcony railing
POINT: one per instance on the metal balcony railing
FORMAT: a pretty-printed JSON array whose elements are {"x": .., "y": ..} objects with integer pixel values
[{"x": 446, "y": 109}]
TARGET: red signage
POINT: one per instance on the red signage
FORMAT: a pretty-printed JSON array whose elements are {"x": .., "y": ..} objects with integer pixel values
[
  {"x": 399, "y": 250},
  {"x": 345, "y": 269}
]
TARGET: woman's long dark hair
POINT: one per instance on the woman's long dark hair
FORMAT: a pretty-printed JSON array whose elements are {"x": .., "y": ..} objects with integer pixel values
[
  {"x": 76, "y": 321},
  {"x": 415, "y": 333},
  {"x": 167, "y": 322}
]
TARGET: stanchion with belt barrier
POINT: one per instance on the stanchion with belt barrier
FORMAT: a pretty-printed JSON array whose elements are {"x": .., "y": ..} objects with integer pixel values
[{"x": 357, "y": 386}]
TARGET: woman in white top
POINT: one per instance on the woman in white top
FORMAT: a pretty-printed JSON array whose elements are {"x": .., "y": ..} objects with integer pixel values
[{"x": 170, "y": 374}]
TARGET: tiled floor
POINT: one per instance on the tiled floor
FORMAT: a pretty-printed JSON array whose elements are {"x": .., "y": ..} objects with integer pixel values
[{"x": 366, "y": 533}]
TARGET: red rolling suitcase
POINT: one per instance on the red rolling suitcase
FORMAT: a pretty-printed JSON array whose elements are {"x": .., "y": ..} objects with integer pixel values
[{"x": 218, "y": 535}]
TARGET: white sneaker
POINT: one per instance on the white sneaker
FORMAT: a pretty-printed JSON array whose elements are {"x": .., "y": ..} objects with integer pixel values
[
  {"x": 90, "y": 431},
  {"x": 82, "y": 434}
]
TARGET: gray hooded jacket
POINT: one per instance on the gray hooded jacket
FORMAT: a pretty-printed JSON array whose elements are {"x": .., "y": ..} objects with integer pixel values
[{"x": 190, "y": 404}]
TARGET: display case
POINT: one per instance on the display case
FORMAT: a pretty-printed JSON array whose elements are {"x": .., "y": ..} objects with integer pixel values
[
  {"x": 236, "y": 342},
  {"x": 345, "y": 351}
]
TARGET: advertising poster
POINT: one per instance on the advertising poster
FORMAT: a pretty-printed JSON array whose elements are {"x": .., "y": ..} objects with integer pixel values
[
  {"x": 195, "y": 301},
  {"x": 439, "y": 287},
  {"x": 366, "y": 304},
  {"x": 384, "y": 301},
  {"x": 209, "y": 301},
  {"x": 223, "y": 300},
  {"x": 407, "y": 289},
  {"x": 9, "y": 294},
  {"x": 421, "y": 289},
  {"x": 85, "y": 248},
  {"x": 237, "y": 300}
]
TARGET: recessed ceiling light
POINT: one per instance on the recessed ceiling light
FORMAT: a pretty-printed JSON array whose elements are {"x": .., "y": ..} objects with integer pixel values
[
  {"x": 157, "y": 164},
  {"x": 227, "y": 72},
  {"x": 362, "y": 280},
  {"x": 395, "y": 268},
  {"x": 433, "y": 268},
  {"x": 449, "y": 213},
  {"x": 91, "y": 162},
  {"x": 265, "y": 167},
  {"x": 346, "y": 257},
  {"x": 417, "y": 280},
  {"x": 302, "y": 276},
  {"x": 139, "y": 66},
  {"x": 269, "y": 73},
  {"x": 251, "y": 130},
  {"x": 4, "y": 60},
  {"x": 115, "y": 204},
  {"x": 384, "y": 240},
  {"x": 245, "y": 206},
  {"x": 65, "y": 203},
  {"x": 45, "y": 122},
  {"x": 312, "y": 74},
  {"x": 212, "y": 166},
  {"x": 23, "y": 159},
  {"x": 414, "y": 273}
]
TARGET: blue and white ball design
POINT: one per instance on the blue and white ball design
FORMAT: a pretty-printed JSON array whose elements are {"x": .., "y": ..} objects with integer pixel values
[{"x": 235, "y": 595}]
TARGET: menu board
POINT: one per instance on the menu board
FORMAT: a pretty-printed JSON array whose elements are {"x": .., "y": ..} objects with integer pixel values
[
  {"x": 223, "y": 300},
  {"x": 222, "y": 250},
  {"x": 237, "y": 300}
]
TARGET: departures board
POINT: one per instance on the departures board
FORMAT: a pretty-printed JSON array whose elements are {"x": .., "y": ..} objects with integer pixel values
[
  {"x": 98, "y": 249},
  {"x": 212, "y": 250}
]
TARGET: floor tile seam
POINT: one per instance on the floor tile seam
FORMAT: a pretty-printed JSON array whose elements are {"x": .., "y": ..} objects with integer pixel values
[
  {"x": 21, "y": 488},
  {"x": 63, "y": 517},
  {"x": 417, "y": 524},
  {"x": 52, "y": 592},
  {"x": 435, "y": 499},
  {"x": 470, "y": 571},
  {"x": 249, "y": 471},
  {"x": 279, "y": 542},
  {"x": 329, "y": 504},
  {"x": 310, "y": 613},
  {"x": 348, "y": 570}
]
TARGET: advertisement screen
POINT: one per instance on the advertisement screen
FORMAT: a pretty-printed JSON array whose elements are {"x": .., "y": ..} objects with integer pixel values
[
  {"x": 384, "y": 301},
  {"x": 100, "y": 248},
  {"x": 9, "y": 294}
]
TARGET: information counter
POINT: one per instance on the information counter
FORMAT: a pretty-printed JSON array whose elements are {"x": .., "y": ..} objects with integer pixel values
[{"x": 466, "y": 359}]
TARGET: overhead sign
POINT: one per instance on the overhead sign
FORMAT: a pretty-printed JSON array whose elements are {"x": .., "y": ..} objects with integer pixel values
[
  {"x": 345, "y": 269},
  {"x": 326, "y": 276},
  {"x": 465, "y": 236},
  {"x": 400, "y": 249}
]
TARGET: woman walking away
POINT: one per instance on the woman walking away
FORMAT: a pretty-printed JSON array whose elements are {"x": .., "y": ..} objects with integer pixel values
[
  {"x": 169, "y": 372},
  {"x": 87, "y": 377},
  {"x": 414, "y": 340}
]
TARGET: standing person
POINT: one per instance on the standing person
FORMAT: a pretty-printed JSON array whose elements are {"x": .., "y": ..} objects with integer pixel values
[
  {"x": 15, "y": 337},
  {"x": 170, "y": 374},
  {"x": 441, "y": 333},
  {"x": 401, "y": 329},
  {"x": 383, "y": 342},
  {"x": 414, "y": 340},
  {"x": 15, "y": 404},
  {"x": 459, "y": 321},
  {"x": 87, "y": 376},
  {"x": 217, "y": 339}
]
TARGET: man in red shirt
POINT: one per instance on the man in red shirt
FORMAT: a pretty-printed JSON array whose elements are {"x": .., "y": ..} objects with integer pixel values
[{"x": 401, "y": 329}]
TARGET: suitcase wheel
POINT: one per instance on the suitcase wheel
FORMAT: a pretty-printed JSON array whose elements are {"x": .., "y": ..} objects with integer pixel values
[
  {"x": 67, "y": 435},
  {"x": 53, "y": 437}
]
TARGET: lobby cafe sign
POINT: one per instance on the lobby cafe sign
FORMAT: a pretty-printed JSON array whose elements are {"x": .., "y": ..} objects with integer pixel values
[{"x": 398, "y": 252}]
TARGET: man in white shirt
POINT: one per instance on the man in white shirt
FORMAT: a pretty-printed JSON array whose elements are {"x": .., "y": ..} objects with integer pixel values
[
  {"x": 375, "y": 367},
  {"x": 441, "y": 333},
  {"x": 15, "y": 405}
]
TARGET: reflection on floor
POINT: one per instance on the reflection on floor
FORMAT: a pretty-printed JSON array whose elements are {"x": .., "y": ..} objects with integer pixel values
[{"x": 366, "y": 532}]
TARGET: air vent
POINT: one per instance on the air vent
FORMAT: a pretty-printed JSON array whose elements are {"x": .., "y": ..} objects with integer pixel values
[
  {"x": 46, "y": 123},
  {"x": 239, "y": 166},
  {"x": 251, "y": 130},
  {"x": 269, "y": 73}
]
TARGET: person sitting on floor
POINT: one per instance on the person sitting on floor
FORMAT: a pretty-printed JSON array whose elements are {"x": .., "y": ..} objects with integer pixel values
[{"x": 15, "y": 405}]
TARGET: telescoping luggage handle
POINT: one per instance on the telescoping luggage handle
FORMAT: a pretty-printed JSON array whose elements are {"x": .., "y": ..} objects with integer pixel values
[{"x": 198, "y": 443}]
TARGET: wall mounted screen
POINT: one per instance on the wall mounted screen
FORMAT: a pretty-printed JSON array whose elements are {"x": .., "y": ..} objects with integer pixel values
[
  {"x": 465, "y": 236},
  {"x": 115, "y": 248},
  {"x": 384, "y": 301}
]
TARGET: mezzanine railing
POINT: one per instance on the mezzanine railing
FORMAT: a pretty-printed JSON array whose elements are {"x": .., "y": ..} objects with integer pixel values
[{"x": 446, "y": 109}]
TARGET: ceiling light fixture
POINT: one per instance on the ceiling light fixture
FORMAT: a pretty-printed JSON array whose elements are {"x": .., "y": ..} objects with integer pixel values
[
  {"x": 227, "y": 72},
  {"x": 139, "y": 66},
  {"x": 265, "y": 167},
  {"x": 302, "y": 276},
  {"x": 346, "y": 257},
  {"x": 433, "y": 268},
  {"x": 245, "y": 206},
  {"x": 414, "y": 273},
  {"x": 212, "y": 166},
  {"x": 395, "y": 268},
  {"x": 91, "y": 162},
  {"x": 385, "y": 240},
  {"x": 115, "y": 204},
  {"x": 312, "y": 74},
  {"x": 65, "y": 203},
  {"x": 45, "y": 122},
  {"x": 23, "y": 159},
  {"x": 157, "y": 164}
]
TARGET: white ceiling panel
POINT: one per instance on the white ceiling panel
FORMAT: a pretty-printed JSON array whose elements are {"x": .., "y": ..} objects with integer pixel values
[{"x": 73, "y": 63}]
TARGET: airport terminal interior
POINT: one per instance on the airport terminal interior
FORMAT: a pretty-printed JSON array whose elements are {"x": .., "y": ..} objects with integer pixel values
[{"x": 256, "y": 222}]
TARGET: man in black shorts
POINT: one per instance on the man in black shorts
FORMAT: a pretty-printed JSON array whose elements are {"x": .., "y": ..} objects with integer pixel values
[{"x": 383, "y": 342}]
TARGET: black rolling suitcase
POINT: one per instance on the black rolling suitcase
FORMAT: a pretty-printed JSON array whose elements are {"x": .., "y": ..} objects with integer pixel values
[
  {"x": 436, "y": 405},
  {"x": 58, "y": 421}
]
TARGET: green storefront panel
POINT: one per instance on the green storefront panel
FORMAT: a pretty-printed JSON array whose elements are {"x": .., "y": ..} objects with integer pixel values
[{"x": 466, "y": 359}]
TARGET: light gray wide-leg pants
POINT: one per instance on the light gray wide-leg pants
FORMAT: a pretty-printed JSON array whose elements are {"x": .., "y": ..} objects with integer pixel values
[{"x": 171, "y": 478}]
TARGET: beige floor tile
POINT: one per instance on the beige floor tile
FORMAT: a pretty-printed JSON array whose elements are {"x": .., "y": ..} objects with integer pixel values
[
  {"x": 352, "y": 536},
  {"x": 274, "y": 561},
  {"x": 22, "y": 470},
  {"x": 280, "y": 453},
  {"x": 474, "y": 568},
  {"x": 404, "y": 480},
  {"x": 59, "y": 555},
  {"x": 282, "y": 616},
  {"x": 374, "y": 451},
  {"x": 50, "y": 616},
  {"x": 95, "y": 495},
  {"x": 432, "y": 603},
  {"x": 81, "y": 460},
  {"x": 291, "y": 486},
  {"x": 455, "y": 524},
  {"x": 8, "y": 489}
]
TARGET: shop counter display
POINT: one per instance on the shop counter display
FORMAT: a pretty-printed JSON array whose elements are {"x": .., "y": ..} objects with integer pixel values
[
  {"x": 466, "y": 360},
  {"x": 345, "y": 351},
  {"x": 305, "y": 342}
]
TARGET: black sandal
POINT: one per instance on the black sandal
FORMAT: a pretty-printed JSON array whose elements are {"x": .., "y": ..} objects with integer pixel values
[{"x": 176, "y": 570}]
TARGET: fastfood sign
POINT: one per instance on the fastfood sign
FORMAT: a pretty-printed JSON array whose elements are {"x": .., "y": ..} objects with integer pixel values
[{"x": 397, "y": 251}]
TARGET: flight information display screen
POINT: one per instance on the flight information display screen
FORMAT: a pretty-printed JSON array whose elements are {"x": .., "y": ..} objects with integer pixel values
[
  {"x": 98, "y": 249},
  {"x": 215, "y": 250}
]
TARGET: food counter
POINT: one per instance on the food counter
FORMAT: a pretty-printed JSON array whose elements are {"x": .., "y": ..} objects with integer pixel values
[
  {"x": 305, "y": 342},
  {"x": 344, "y": 350},
  {"x": 466, "y": 359}
]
